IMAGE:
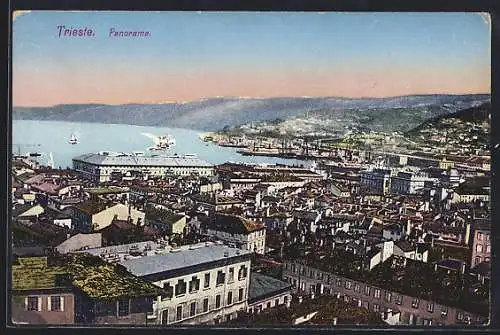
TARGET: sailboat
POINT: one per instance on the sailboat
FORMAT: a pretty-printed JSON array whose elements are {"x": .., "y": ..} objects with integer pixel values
[
  {"x": 50, "y": 163},
  {"x": 73, "y": 139}
]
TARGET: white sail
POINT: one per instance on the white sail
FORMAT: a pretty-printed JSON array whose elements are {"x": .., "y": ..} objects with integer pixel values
[{"x": 73, "y": 139}]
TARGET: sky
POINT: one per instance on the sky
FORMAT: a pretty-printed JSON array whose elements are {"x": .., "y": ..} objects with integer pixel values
[{"x": 194, "y": 55}]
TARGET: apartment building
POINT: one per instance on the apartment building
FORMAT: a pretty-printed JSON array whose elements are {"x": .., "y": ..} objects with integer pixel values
[
  {"x": 205, "y": 283},
  {"x": 481, "y": 243},
  {"x": 413, "y": 310},
  {"x": 241, "y": 232}
]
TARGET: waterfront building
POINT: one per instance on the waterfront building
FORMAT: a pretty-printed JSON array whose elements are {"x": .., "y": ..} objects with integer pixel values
[
  {"x": 100, "y": 167},
  {"x": 204, "y": 283}
]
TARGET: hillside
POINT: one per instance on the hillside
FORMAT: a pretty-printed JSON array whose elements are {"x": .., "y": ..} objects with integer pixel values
[
  {"x": 464, "y": 131},
  {"x": 476, "y": 115},
  {"x": 215, "y": 113}
]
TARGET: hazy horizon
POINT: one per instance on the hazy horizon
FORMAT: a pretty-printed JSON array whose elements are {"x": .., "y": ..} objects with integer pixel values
[
  {"x": 191, "y": 56},
  {"x": 249, "y": 98}
]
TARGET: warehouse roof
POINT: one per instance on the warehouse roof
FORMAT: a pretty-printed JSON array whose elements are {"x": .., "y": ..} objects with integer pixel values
[
  {"x": 182, "y": 258},
  {"x": 122, "y": 159}
]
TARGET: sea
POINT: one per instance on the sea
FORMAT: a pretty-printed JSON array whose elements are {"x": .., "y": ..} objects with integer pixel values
[{"x": 51, "y": 137}]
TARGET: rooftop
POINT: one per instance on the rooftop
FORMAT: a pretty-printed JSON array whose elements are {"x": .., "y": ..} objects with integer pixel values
[
  {"x": 93, "y": 276},
  {"x": 262, "y": 286},
  {"x": 122, "y": 159},
  {"x": 181, "y": 258},
  {"x": 234, "y": 224}
]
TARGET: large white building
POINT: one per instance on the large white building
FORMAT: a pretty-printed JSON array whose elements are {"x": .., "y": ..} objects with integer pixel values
[
  {"x": 243, "y": 233},
  {"x": 206, "y": 283},
  {"x": 103, "y": 165}
]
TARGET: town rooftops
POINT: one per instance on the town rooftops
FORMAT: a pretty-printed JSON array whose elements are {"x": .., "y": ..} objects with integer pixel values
[
  {"x": 93, "y": 207},
  {"x": 262, "y": 286},
  {"x": 234, "y": 224},
  {"x": 183, "y": 257},
  {"x": 91, "y": 275},
  {"x": 121, "y": 159}
]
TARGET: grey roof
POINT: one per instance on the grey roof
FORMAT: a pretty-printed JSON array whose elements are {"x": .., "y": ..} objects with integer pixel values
[
  {"x": 262, "y": 286},
  {"x": 130, "y": 160},
  {"x": 180, "y": 259}
]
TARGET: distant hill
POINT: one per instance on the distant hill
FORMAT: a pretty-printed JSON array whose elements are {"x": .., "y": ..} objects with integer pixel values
[
  {"x": 215, "y": 113},
  {"x": 475, "y": 114}
]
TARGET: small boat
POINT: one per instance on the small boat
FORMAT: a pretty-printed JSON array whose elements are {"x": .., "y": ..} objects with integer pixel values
[
  {"x": 73, "y": 139},
  {"x": 34, "y": 154}
]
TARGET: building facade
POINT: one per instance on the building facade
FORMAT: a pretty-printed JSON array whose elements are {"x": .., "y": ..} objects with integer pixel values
[
  {"x": 413, "y": 310},
  {"x": 101, "y": 166},
  {"x": 481, "y": 244},
  {"x": 238, "y": 231},
  {"x": 205, "y": 283}
]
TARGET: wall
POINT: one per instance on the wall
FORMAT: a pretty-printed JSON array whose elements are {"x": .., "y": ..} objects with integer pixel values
[
  {"x": 44, "y": 315},
  {"x": 79, "y": 241},
  {"x": 104, "y": 218},
  {"x": 203, "y": 293},
  {"x": 419, "y": 313}
]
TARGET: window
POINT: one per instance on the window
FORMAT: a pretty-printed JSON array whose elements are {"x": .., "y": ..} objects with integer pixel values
[
  {"x": 231, "y": 275},
  {"x": 487, "y": 259},
  {"x": 311, "y": 273},
  {"x": 268, "y": 305},
  {"x": 180, "y": 288},
  {"x": 367, "y": 290},
  {"x": 430, "y": 307},
  {"x": 32, "y": 304},
  {"x": 228, "y": 318},
  {"x": 399, "y": 299},
  {"x": 388, "y": 296},
  {"x": 285, "y": 300},
  {"x": 376, "y": 308},
  {"x": 217, "y": 301},
  {"x": 123, "y": 307},
  {"x": 276, "y": 302},
  {"x": 339, "y": 282},
  {"x": 207, "y": 280},
  {"x": 444, "y": 311},
  {"x": 414, "y": 303},
  {"x": 164, "y": 317},
  {"x": 479, "y": 236},
  {"x": 55, "y": 303},
  {"x": 477, "y": 260},
  {"x": 293, "y": 268},
  {"x": 240, "y": 294},
  {"x": 460, "y": 316},
  {"x": 357, "y": 287},
  {"x": 242, "y": 273},
  {"x": 205, "y": 305},
  {"x": 488, "y": 248},
  {"x": 328, "y": 279},
  {"x": 427, "y": 322},
  {"x": 366, "y": 304},
  {"x": 348, "y": 284},
  {"x": 194, "y": 284},
  {"x": 229, "y": 298},
  {"x": 192, "y": 311},
  {"x": 221, "y": 278},
  {"x": 479, "y": 248},
  {"x": 286, "y": 266},
  {"x": 377, "y": 293},
  {"x": 179, "y": 313}
]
